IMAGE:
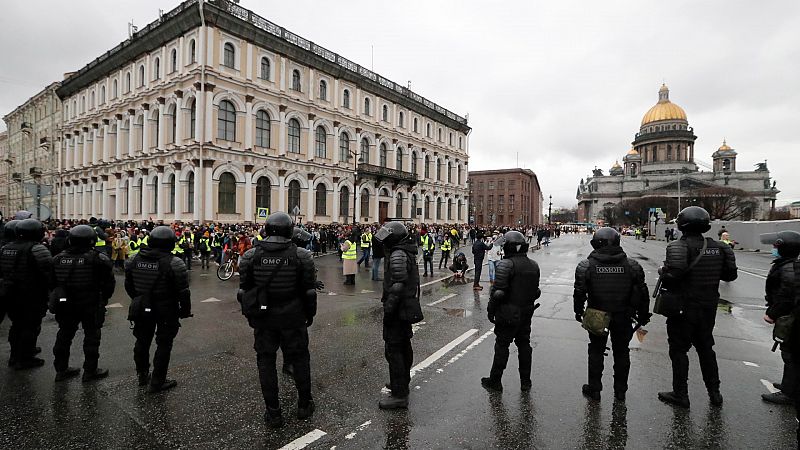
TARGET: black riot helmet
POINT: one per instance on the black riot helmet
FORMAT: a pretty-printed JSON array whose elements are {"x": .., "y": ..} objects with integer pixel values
[
  {"x": 391, "y": 234},
  {"x": 22, "y": 215},
  {"x": 279, "y": 225},
  {"x": 300, "y": 237},
  {"x": 82, "y": 236},
  {"x": 515, "y": 243},
  {"x": 10, "y": 230},
  {"x": 30, "y": 230},
  {"x": 604, "y": 237},
  {"x": 787, "y": 242},
  {"x": 694, "y": 219},
  {"x": 162, "y": 237}
]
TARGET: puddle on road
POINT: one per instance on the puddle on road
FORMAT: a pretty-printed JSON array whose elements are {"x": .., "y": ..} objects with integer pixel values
[
  {"x": 457, "y": 312},
  {"x": 724, "y": 306}
]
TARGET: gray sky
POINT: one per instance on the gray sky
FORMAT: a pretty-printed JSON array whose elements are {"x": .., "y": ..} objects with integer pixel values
[{"x": 564, "y": 84}]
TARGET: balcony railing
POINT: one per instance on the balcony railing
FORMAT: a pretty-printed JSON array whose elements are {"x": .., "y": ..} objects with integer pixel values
[{"x": 385, "y": 172}]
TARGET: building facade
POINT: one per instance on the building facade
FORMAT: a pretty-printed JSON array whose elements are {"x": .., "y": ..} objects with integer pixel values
[
  {"x": 29, "y": 168},
  {"x": 662, "y": 163},
  {"x": 213, "y": 112},
  {"x": 507, "y": 197},
  {"x": 5, "y": 176}
]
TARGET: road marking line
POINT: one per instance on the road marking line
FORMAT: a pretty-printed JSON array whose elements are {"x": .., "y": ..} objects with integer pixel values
[
  {"x": 415, "y": 327},
  {"x": 114, "y": 305},
  {"x": 753, "y": 274},
  {"x": 770, "y": 387},
  {"x": 446, "y": 297},
  {"x": 210, "y": 300},
  {"x": 304, "y": 441},
  {"x": 474, "y": 344},
  {"x": 441, "y": 352},
  {"x": 748, "y": 363},
  {"x": 366, "y": 291},
  {"x": 442, "y": 279}
]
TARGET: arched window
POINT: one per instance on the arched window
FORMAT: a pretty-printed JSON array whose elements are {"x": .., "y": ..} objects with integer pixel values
[
  {"x": 344, "y": 203},
  {"x": 427, "y": 166},
  {"x": 449, "y": 172},
  {"x": 460, "y": 144},
  {"x": 449, "y": 209},
  {"x": 633, "y": 169},
  {"x": 726, "y": 165},
  {"x": 440, "y": 135},
  {"x": 141, "y": 75},
  {"x": 669, "y": 153},
  {"x": 156, "y": 69},
  {"x": 364, "y": 157},
  {"x": 366, "y": 106},
  {"x": 114, "y": 89},
  {"x": 294, "y": 195},
  {"x": 192, "y": 118},
  {"x": 127, "y": 82},
  {"x": 91, "y": 100},
  {"x": 428, "y": 208},
  {"x": 383, "y": 155},
  {"x": 294, "y": 136},
  {"x": 460, "y": 216},
  {"x": 226, "y": 197},
  {"x": 416, "y": 125},
  {"x": 385, "y": 114},
  {"x": 83, "y": 104},
  {"x": 399, "y": 159},
  {"x": 428, "y": 130},
  {"x": 228, "y": 55},
  {"x": 346, "y": 99},
  {"x": 400, "y": 119},
  {"x": 140, "y": 196},
  {"x": 451, "y": 139},
  {"x": 263, "y": 193},
  {"x": 190, "y": 191},
  {"x": 399, "y": 208},
  {"x": 364, "y": 203},
  {"x": 226, "y": 121},
  {"x": 439, "y": 209},
  {"x": 414, "y": 206},
  {"x": 173, "y": 111},
  {"x": 323, "y": 90},
  {"x": 262, "y": 129},
  {"x": 102, "y": 95},
  {"x": 192, "y": 53},
  {"x": 414, "y": 163},
  {"x": 296, "y": 80},
  {"x": 320, "y": 142},
  {"x": 264, "y": 75},
  {"x": 66, "y": 111},
  {"x": 171, "y": 199},
  {"x": 173, "y": 57},
  {"x": 344, "y": 147},
  {"x": 458, "y": 174},
  {"x": 438, "y": 169},
  {"x": 321, "y": 200}
]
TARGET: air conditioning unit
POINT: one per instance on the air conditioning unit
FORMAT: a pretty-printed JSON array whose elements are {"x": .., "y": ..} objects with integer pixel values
[{"x": 16, "y": 176}]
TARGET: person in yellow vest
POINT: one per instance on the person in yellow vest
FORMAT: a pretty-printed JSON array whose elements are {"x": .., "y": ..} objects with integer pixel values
[
  {"x": 135, "y": 245},
  {"x": 366, "y": 246},
  {"x": 349, "y": 265},
  {"x": 204, "y": 247},
  {"x": 446, "y": 247},
  {"x": 428, "y": 246}
]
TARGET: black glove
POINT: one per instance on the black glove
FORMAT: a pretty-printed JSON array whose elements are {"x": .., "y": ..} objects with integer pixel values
[
  {"x": 309, "y": 321},
  {"x": 579, "y": 317},
  {"x": 319, "y": 285},
  {"x": 491, "y": 317},
  {"x": 184, "y": 313},
  {"x": 643, "y": 319}
]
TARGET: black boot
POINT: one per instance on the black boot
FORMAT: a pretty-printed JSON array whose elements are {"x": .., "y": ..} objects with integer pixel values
[
  {"x": 715, "y": 397},
  {"x": 491, "y": 385},
  {"x": 674, "y": 398},
  {"x": 525, "y": 385},
  {"x": 95, "y": 374},
  {"x": 392, "y": 402},
  {"x": 273, "y": 418},
  {"x": 590, "y": 393},
  {"x": 67, "y": 374},
  {"x": 619, "y": 396},
  {"x": 158, "y": 386},
  {"x": 144, "y": 378},
  {"x": 31, "y": 363},
  {"x": 305, "y": 412}
]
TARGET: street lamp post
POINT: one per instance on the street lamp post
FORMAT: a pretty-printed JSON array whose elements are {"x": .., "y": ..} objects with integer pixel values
[
  {"x": 355, "y": 180},
  {"x": 550, "y": 210}
]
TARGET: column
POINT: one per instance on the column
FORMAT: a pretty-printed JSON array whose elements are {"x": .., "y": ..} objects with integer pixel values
[
  {"x": 207, "y": 116},
  {"x": 88, "y": 192},
  {"x": 68, "y": 149},
  {"x": 105, "y": 204},
  {"x": 131, "y": 199},
  {"x": 335, "y": 212},
  {"x": 106, "y": 143},
  {"x": 374, "y": 211},
  {"x": 248, "y": 122},
  {"x": 208, "y": 206},
  {"x": 281, "y": 194},
  {"x": 88, "y": 148},
  {"x": 178, "y": 197},
  {"x": 335, "y": 156},
  {"x": 179, "y": 112},
  {"x": 118, "y": 154},
  {"x": 146, "y": 133},
  {"x": 357, "y": 205},
  {"x": 131, "y": 135},
  {"x": 199, "y": 119},
  {"x": 310, "y": 147},
  {"x": 248, "y": 193},
  {"x": 65, "y": 189},
  {"x": 76, "y": 151},
  {"x": 159, "y": 188},
  {"x": 162, "y": 129},
  {"x": 310, "y": 202},
  {"x": 145, "y": 197},
  {"x": 118, "y": 199},
  {"x": 311, "y": 85},
  {"x": 198, "y": 189},
  {"x": 76, "y": 197},
  {"x": 282, "y": 134}
]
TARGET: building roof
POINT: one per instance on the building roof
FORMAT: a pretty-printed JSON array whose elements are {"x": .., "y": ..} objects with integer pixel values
[
  {"x": 502, "y": 172},
  {"x": 664, "y": 109},
  {"x": 52, "y": 86}
]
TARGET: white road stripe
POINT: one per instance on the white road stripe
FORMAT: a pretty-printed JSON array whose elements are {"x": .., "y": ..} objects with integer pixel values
[
  {"x": 441, "y": 352},
  {"x": 304, "y": 441},
  {"x": 748, "y": 363},
  {"x": 753, "y": 274},
  {"x": 211, "y": 300},
  {"x": 770, "y": 387},
  {"x": 114, "y": 305},
  {"x": 446, "y": 297},
  {"x": 472, "y": 345}
]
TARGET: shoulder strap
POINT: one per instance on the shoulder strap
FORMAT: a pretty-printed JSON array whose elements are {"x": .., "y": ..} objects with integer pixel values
[{"x": 700, "y": 255}]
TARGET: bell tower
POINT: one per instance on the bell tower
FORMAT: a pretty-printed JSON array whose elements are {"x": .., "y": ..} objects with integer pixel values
[{"x": 724, "y": 159}]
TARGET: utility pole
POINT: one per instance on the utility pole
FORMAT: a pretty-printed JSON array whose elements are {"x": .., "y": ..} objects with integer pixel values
[{"x": 550, "y": 210}]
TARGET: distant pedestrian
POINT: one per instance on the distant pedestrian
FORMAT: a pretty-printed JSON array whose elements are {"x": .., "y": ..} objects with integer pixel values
[
  {"x": 479, "y": 249},
  {"x": 349, "y": 265}
]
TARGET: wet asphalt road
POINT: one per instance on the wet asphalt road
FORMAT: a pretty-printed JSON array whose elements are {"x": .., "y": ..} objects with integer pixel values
[{"x": 218, "y": 404}]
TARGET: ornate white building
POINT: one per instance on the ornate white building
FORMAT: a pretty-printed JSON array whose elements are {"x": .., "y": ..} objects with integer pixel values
[
  {"x": 662, "y": 163},
  {"x": 213, "y": 112}
]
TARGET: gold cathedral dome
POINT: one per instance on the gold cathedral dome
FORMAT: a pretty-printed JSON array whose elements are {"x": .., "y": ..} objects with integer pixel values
[
  {"x": 664, "y": 109},
  {"x": 633, "y": 152}
]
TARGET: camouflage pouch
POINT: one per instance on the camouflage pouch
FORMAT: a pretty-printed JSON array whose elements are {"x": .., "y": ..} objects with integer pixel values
[{"x": 596, "y": 321}]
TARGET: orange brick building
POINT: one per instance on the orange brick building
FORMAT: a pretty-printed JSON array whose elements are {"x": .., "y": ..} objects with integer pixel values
[{"x": 505, "y": 197}]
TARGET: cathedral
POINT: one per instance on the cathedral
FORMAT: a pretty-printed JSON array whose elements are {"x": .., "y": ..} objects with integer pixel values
[{"x": 661, "y": 163}]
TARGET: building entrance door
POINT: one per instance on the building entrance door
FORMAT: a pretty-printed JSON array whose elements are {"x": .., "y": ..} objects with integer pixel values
[{"x": 383, "y": 211}]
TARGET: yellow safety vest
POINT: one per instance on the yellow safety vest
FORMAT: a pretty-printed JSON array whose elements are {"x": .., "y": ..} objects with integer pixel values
[
  {"x": 259, "y": 237},
  {"x": 133, "y": 247},
  {"x": 425, "y": 241},
  {"x": 366, "y": 240},
  {"x": 446, "y": 245},
  {"x": 350, "y": 253},
  {"x": 178, "y": 250}
]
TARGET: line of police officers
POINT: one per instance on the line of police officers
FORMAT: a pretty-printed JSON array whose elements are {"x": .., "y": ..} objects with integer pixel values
[{"x": 278, "y": 295}]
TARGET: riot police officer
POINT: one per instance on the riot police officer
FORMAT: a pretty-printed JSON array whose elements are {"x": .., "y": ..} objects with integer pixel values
[
  {"x": 83, "y": 281},
  {"x": 710, "y": 261},
  {"x": 615, "y": 287},
  {"x": 401, "y": 308},
  {"x": 7, "y": 235},
  {"x": 780, "y": 296},
  {"x": 511, "y": 305},
  {"x": 277, "y": 294},
  {"x": 25, "y": 267},
  {"x": 158, "y": 285}
]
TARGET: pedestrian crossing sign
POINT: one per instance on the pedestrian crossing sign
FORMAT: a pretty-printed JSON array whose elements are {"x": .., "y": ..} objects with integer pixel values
[{"x": 263, "y": 213}]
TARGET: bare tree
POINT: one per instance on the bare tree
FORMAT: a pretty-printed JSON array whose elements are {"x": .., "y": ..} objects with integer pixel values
[{"x": 722, "y": 203}]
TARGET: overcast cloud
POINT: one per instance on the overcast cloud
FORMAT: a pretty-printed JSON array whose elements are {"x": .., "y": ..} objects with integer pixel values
[{"x": 563, "y": 84}]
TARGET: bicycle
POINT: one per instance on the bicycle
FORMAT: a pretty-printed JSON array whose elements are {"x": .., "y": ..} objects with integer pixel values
[{"x": 231, "y": 265}]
